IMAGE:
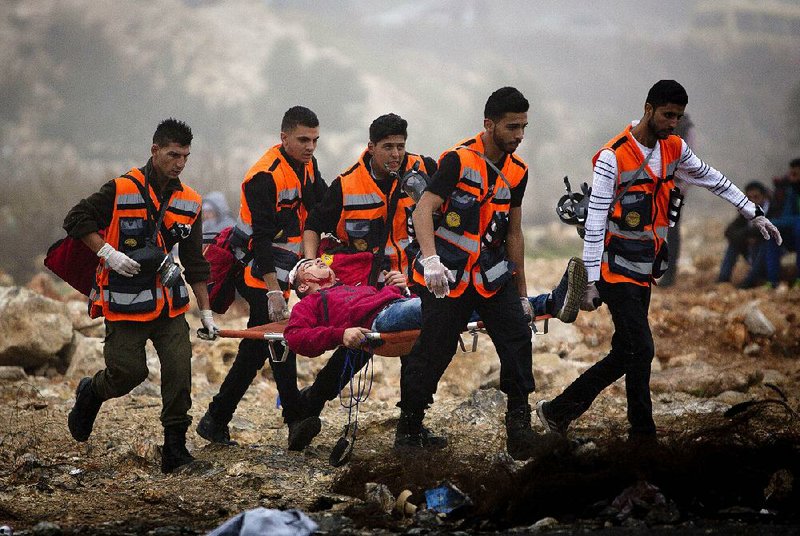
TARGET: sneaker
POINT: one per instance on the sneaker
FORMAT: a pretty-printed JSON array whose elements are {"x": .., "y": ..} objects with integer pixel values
[
  {"x": 303, "y": 431},
  {"x": 566, "y": 297},
  {"x": 550, "y": 424},
  {"x": 211, "y": 430}
]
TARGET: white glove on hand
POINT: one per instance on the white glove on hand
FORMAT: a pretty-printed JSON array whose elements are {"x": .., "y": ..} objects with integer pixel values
[
  {"x": 437, "y": 276},
  {"x": 527, "y": 308},
  {"x": 767, "y": 229},
  {"x": 591, "y": 298},
  {"x": 276, "y": 306},
  {"x": 118, "y": 261},
  {"x": 207, "y": 319}
]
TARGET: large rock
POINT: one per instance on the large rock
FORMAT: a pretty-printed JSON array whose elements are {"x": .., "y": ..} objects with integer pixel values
[
  {"x": 33, "y": 329},
  {"x": 85, "y": 356},
  {"x": 699, "y": 378},
  {"x": 550, "y": 371}
]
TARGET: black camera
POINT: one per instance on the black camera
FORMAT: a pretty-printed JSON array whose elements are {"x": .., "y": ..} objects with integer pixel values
[{"x": 152, "y": 259}]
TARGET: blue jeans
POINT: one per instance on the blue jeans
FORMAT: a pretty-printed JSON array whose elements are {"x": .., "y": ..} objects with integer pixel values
[
  {"x": 755, "y": 256},
  {"x": 790, "y": 230},
  {"x": 406, "y": 313}
]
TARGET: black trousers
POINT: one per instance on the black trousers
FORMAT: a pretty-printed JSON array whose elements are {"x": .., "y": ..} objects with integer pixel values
[
  {"x": 631, "y": 355},
  {"x": 251, "y": 357},
  {"x": 443, "y": 319}
]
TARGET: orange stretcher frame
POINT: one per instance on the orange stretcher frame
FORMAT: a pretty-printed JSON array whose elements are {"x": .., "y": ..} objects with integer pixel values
[{"x": 389, "y": 344}]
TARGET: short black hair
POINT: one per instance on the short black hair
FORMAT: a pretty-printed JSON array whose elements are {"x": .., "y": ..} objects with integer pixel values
[
  {"x": 505, "y": 100},
  {"x": 756, "y": 185},
  {"x": 298, "y": 115},
  {"x": 795, "y": 163},
  {"x": 666, "y": 92},
  {"x": 388, "y": 125},
  {"x": 172, "y": 131}
]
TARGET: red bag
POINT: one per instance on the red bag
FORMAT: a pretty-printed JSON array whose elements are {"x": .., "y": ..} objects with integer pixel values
[
  {"x": 224, "y": 270},
  {"x": 73, "y": 262},
  {"x": 351, "y": 268}
]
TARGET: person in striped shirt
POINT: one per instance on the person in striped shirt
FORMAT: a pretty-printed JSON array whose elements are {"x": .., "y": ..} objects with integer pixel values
[{"x": 635, "y": 180}]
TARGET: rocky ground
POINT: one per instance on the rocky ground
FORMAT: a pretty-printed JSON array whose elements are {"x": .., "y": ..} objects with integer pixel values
[{"x": 716, "y": 470}]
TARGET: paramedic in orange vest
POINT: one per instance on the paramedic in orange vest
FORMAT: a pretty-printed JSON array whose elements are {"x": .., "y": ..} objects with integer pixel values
[
  {"x": 355, "y": 210},
  {"x": 277, "y": 193},
  {"x": 625, "y": 249},
  {"x": 473, "y": 260},
  {"x": 140, "y": 291}
]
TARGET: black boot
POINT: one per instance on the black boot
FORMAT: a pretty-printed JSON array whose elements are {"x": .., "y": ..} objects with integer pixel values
[
  {"x": 174, "y": 453},
  {"x": 212, "y": 430},
  {"x": 411, "y": 433},
  {"x": 521, "y": 440},
  {"x": 302, "y": 431},
  {"x": 84, "y": 412}
]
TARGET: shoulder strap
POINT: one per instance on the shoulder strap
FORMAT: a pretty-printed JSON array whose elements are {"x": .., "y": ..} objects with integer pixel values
[
  {"x": 490, "y": 193},
  {"x": 154, "y": 220}
]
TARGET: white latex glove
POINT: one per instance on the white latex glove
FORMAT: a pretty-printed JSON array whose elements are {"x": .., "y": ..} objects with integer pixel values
[
  {"x": 436, "y": 276},
  {"x": 527, "y": 308},
  {"x": 207, "y": 319},
  {"x": 591, "y": 298},
  {"x": 767, "y": 229},
  {"x": 276, "y": 306},
  {"x": 118, "y": 261}
]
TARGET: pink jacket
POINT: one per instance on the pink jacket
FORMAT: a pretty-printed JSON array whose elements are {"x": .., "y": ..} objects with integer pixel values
[{"x": 311, "y": 330}]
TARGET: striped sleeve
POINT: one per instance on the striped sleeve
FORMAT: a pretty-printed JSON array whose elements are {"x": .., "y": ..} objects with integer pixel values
[
  {"x": 604, "y": 178},
  {"x": 692, "y": 170}
]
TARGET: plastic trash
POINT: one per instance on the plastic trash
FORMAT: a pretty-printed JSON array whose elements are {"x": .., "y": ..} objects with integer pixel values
[{"x": 446, "y": 499}]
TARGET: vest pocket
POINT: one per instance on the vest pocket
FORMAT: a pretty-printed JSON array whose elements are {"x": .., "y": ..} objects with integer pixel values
[
  {"x": 454, "y": 258},
  {"x": 631, "y": 258},
  {"x": 661, "y": 262},
  {"x": 180, "y": 294},
  {"x": 363, "y": 235},
  {"x": 131, "y": 234},
  {"x": 284, "y": 261},
  {"x": 462, "y": 214},
  {"x": 637, "y": 208},
  {"x": 288, "y": 224},
  {"x": 495, "y": 269}
]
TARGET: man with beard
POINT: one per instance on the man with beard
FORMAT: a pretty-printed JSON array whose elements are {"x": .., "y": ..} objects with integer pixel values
[
  {"x": 631, "y": 207},
  {"x": 473, "y": 260}
]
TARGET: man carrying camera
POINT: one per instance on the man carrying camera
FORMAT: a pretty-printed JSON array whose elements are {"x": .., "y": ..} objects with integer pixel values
[{"x": 139, "y": 289}]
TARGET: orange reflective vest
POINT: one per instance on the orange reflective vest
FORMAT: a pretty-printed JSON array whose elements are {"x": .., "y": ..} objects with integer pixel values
[
  {"x": 362, "y": 223},
  {"x": 290, "y": 216},
  {"x": 141, "y": 298},
  {"x": 470, "y": 239},
  {"x": 635, "y": 240}
]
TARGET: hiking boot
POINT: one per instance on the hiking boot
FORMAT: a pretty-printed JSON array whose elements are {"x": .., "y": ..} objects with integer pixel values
[
  {"x": 174, "y": 453},
  {"x": 411, "y": 433},
  {"x": 311, "y": 407},
  {"x": 565, "y": 299},
  {"x": 211, "y": 430},
  {"x": 521, "y": 440},
  {"x": 84, "y": 412},
  {"x": 303, "y": 431},
  {"x": 550, "y": 424}
]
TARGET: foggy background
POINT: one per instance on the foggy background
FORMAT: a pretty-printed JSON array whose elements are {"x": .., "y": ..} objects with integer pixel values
[{"x": 84, "y": 83}]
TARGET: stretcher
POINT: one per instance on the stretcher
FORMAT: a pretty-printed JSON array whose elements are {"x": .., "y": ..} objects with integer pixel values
[{"x": 389, "y": 344}]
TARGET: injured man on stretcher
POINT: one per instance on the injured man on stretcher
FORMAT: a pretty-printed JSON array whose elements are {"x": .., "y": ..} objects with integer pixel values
[{"x": 332, "y": 314}]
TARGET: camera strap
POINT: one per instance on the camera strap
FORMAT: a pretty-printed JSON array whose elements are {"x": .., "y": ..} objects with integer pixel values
[{"x": 154, "y": 220}]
